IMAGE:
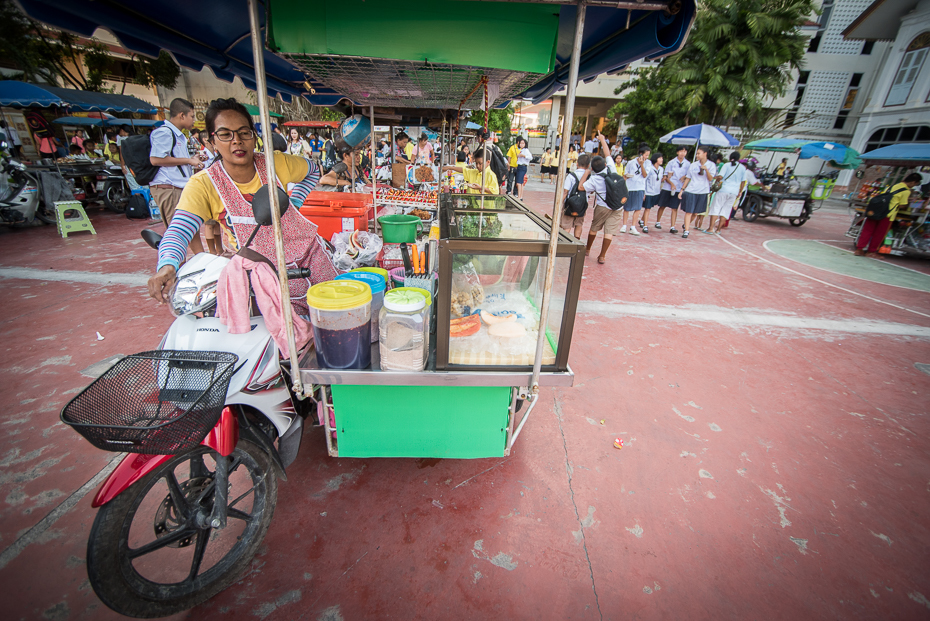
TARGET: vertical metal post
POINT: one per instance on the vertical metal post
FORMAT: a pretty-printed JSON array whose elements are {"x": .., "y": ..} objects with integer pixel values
[
  {"x": 258, "y": 52},
  {"x": 557, "y": 203},
  {"x": 374, "y": 166}
]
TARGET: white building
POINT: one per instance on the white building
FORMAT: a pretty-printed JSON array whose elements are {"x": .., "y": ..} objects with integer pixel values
[{"x": 897, "y": 107}]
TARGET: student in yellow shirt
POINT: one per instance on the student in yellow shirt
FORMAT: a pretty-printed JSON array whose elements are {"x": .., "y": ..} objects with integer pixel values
[
  {"x": 512, "y": 153},
  {"x": 473, "y": 176},
  {"x": 873, "y": 232}
]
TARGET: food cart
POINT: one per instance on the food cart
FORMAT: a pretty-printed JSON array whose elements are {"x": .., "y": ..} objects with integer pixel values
[
  {"x": 909, "y": 233},
  {"x": 795, "y": 198}
]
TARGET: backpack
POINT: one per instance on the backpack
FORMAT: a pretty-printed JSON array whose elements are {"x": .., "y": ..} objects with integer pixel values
[
  {"x": 136, "y": 151},
  {"x": 498, "y": 165},
  {"x": 616, "y": 190},
  {"x": 329, "y": 156},
  {"x": 576, "y": 203},
  {"x": 137, "y": 207},
  {"x": 879, "y": 206}
]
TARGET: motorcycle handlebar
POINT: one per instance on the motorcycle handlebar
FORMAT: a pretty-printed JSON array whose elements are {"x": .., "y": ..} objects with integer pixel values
[{"x": 298, "y": 273}]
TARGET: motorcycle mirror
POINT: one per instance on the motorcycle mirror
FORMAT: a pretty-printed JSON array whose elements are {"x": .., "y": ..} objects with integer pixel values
[
  {"x": 340, "y": 168},
  {"x": 261, "y": 205},
  {"x": 151, "y": 238}
]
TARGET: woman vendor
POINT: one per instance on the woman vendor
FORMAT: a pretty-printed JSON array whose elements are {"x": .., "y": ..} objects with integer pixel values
[
  {"x": 337, "y": 180},
  {"x": 223, "y": 192}
]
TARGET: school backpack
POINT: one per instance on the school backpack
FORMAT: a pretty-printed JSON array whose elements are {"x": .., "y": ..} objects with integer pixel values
[
  {"x": 136, "y": 151},
  {"x": 329, "y": 156},
  {"x": 576, "y": 203},
  {"x": 137, "y": 207},
  {"x": 879, "y": 206},
  {"x": 616, "y": 190},
  {"x": 498, "y": 164}
]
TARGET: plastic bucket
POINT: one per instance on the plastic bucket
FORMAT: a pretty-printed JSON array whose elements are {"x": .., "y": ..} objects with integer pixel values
[
  {"x": 377, "y": 285},
  {"x": 400, "y": 229},
  {"x": 340, "y": 311}
]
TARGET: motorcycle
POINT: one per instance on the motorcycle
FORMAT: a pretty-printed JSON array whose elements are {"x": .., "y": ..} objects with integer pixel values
[
  {"x": 184, "y": 513},
  {"x": 112, "y": 186},
  {"x": 19, "y": 200}
]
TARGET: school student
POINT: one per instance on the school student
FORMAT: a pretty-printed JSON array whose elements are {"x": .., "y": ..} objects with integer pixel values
[
  {"x": 474, "y": 176},
  {"x": 671, "y": 186},
  {"x": 577, "y": 176},
  {"x": 696, "y": 186},
  {"x": 605, "y": 218},
  {"x": 636, "y": 172},
  {"x": 733, "y": 178},
  {"x": 653, "y": 183}
]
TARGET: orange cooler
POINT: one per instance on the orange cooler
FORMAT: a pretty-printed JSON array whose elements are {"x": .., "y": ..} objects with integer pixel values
[{"x": 335, "y": 212}]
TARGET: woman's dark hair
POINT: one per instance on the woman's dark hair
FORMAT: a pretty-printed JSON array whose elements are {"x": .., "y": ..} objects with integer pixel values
[
  {"x": 423, "y": 138},
  {"x": 461, "y": 156},
  {"x": 224, "y": 105},
  {"x": 571, "y": 148},
  {"x": 655, "y": 158},
  {"x": 734, "y": 156},
  {"x": 548, "y": 149},
  {"x": 523, "y": 140}
]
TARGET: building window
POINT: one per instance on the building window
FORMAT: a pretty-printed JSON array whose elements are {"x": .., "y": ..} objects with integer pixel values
[
  {"x": 792, "y": 115},
  {"x": 825, "y": 10},
  {"x": 867, "y": 48},
  {"x": 849, "y": 102},
  {"x": 908, "y": 71},
  {"x": 894, "y": 135}
]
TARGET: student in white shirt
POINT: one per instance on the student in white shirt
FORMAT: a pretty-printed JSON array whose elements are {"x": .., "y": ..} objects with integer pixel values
[
  {"x": 579, "y": 176},
  {"x": 636, "y": 172},
  {"x": 671, "y": 186},
  {"x": 734, "y": 178},
  {"x": 696, "y": 187},
  {"x": 524, "y": 157},
  {"x": 591, "y": 145},
  {"x": 653, "y": 183}
]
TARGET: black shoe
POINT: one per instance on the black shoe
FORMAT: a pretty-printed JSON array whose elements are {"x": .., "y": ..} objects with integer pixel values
[
  {"x": 685, "y": 234},
  {"x": 673, "y": 230},
  {"x": 658, "y": 226},
  {"x": 640, "y": 223},
  {"x": 646, "y": 229}
]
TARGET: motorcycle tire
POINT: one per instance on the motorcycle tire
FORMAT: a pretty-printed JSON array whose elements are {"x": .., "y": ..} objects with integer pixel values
[
  {"x": 45, "y": 215},
  {"x": 116, "y": 197},
  {"x": 752, "y": 208},
  {"x": 112, "y": 565}
]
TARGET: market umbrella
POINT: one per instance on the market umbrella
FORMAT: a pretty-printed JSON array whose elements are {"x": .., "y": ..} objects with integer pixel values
[
  {"x": 913, "y": 154},
  {"x": 700, "y": 134},
  {"x": 784, "y": 145},
  {"x": 838, "y": 155}
]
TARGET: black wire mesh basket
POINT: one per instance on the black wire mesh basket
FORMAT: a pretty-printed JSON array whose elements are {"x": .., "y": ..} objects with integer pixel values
[{"x": 156, "y": 402}]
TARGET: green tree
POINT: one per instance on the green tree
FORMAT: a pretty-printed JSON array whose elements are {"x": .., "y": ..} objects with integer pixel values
[
  {"x": 739, "y": 54},
  {"x": 43, "y": 54},
  {"x": 646, "y": 109}
]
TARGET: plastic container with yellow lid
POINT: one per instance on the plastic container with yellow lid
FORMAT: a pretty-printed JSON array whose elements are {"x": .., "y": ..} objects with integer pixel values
[{"x": 340, "y": 311}]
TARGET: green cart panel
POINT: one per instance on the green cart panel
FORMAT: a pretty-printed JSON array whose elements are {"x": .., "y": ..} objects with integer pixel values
[{"x": 455, "y": 422}]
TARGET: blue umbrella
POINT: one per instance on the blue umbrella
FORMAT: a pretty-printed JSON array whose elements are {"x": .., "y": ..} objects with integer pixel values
[{"x": 701, "y": 134}]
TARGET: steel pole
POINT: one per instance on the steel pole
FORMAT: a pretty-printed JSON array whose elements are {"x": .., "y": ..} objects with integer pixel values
[
  {"x": 557, "y": 203},
  {"x": 258, "y": 51},
  {"x": 374, "y": 168}
]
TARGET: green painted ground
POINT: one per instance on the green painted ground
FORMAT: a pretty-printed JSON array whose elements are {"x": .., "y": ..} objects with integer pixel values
[{"x": 825, "y": 257}]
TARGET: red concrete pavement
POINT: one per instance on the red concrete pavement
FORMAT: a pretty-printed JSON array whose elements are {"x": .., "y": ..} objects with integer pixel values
[{"x": 768, "y": 472}]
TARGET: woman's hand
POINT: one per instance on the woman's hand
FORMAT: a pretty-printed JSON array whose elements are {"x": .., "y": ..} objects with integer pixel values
[
  {"x": 681, "y": 195},
  {"x": 161, "y": 283}
]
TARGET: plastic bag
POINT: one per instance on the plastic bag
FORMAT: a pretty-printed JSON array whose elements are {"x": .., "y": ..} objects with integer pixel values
[
  {"x": 467, "y": 292},
  {"x": 360, "y": 253}
]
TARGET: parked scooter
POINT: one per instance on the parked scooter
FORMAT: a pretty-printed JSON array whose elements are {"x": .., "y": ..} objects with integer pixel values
[
  {"x": 112, "y": 186},
  {"x": 182, "y": 516},
  {"x": 20, "y": 202}
]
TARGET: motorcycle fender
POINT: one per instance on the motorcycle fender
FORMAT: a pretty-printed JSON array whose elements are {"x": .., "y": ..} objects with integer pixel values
[{"x": 222, "y": 438}]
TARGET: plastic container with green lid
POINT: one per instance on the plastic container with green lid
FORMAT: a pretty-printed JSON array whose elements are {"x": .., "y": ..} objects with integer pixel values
[
  {"x": 429, "y": 307},
  {"x": 377, "y": 284},
  {"x": 402, "y": 338},
  {"x": 340, "y": 311}
]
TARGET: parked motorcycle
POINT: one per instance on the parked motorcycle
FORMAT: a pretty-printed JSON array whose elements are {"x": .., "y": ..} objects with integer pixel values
[
  {"x": 184, "y": 513},
  {"x": 112, "y": 186},
  {"x": 19, "y": 201}
]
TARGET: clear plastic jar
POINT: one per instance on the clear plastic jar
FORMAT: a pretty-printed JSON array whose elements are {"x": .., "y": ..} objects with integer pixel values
[{"x": 401, "y": 331}]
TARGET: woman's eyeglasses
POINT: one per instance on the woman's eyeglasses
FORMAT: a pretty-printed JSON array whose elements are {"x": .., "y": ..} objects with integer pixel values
[{"x": 226, "y": 135}]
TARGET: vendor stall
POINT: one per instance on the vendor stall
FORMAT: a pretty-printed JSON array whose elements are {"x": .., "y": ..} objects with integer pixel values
[{"x": 910, "y": 231}]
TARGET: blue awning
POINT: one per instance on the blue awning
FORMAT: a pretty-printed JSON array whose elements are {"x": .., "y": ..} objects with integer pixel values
[
  {"x": 133, "y": 122},
  {"x": 909, "y": 154},
  {"x": 78, "y": 121},
  {"x": 215, "y": 33},
  {"x": 24, "y": 95}
]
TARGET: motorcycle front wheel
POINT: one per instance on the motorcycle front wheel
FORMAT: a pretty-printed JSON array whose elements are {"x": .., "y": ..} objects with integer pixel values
[
  {"x": 151, "y": 551},
  {"x": 45, "y": 215},
  {"x": 116, "y": 197}
]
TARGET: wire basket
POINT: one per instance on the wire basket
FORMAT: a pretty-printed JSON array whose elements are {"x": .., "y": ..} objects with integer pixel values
[{"x": 156, "y": 402}]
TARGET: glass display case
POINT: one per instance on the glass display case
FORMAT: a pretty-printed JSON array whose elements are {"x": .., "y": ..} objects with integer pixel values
[{"x": 492, "y": 267}]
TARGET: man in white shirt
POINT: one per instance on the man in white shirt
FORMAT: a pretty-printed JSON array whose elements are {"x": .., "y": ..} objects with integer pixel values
[
  {"x": 696, "y": 187},
  {"x": 169, "y": 152},
  {"x": 591, "y": 145},
  {"x": 577, "y": 176},
  {"x": 605, "y": 217},
  {"x": 635, "y": 173},
  {"x": 671, "y": 186}
]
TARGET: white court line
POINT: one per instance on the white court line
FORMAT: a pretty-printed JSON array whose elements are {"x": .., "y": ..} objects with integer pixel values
[
  {"x": 92, "y": 278},
  {"x": 846, "y": 250},
  {"x": 749, "y": 318},
  {"x": 823, "y": 282}
]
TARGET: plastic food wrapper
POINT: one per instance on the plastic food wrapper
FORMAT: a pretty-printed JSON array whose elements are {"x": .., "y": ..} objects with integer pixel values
[
  {"x": 467, "y": 292},
  {"x": 355, "y": 249}
]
